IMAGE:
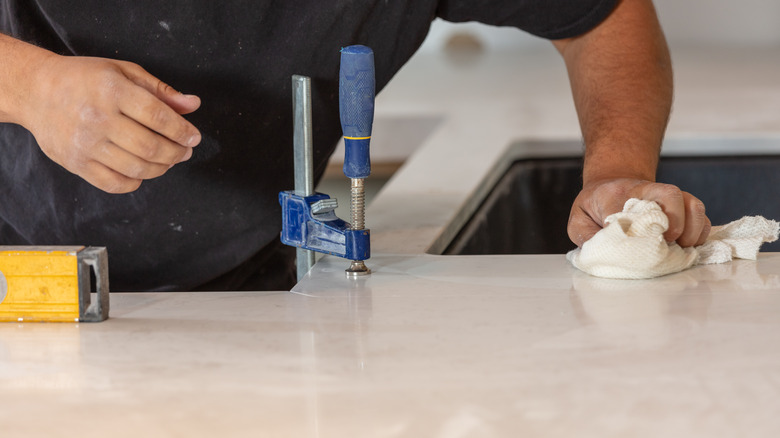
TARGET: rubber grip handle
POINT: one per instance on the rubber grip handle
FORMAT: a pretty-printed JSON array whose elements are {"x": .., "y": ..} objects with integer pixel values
[{"x": 357, "y": 87}]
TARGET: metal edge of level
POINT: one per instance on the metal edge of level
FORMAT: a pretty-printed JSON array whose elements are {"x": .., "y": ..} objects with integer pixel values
[{"x": 93, "y": 259}]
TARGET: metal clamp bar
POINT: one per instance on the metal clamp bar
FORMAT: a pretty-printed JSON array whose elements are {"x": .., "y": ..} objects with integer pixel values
[{"x": 303, "y": 151}]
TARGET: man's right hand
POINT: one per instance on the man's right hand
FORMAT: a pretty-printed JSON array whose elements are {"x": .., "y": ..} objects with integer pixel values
[
  {"x": 110, "y": 122},
  {"x": 688, "y": 221}
]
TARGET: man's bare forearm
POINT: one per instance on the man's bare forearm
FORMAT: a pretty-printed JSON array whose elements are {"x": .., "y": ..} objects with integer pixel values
[
  {"x": 621, "y": 79},
  {"x": 20, "y": 61}
]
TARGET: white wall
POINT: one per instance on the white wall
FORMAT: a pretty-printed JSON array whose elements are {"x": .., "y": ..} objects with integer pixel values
[
  {"x": 724, "y": 22},
  {"x": 686, "y": 22}
]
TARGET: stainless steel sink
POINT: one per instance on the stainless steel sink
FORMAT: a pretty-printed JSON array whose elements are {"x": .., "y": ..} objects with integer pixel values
[{"x": 523, "y": 208}]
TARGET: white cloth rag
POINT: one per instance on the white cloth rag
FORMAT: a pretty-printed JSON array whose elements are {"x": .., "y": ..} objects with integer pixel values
[{"x": 631, "y": 244}]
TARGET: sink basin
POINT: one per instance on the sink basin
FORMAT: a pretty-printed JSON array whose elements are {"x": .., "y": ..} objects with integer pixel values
[{"x": 526, "y": 210}]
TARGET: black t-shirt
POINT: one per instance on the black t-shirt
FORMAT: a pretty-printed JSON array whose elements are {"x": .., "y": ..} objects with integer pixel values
[{"x": 206, "y": 216}]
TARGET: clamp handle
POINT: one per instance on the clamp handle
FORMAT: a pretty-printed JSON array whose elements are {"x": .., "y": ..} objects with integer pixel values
[{"x": 357, "y": 89}]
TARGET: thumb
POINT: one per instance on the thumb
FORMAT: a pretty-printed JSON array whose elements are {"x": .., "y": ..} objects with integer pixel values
[{"x": 581, "y": 228}]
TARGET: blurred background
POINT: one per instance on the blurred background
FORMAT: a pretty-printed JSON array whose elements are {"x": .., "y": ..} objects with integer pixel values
[{"x": 685, "y": 22}]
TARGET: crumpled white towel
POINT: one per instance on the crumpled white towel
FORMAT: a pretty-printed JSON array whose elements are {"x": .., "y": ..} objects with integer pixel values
[{"x": 631, "y": 244}]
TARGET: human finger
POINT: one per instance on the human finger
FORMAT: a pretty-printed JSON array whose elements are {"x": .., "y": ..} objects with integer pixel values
[
  {"x": 593, "y": 205},
  {"x": 147, "y": 145},
  {"x": 143, "y": 107},
  {"x": 127, "y": 164},
  {"x": 697, "y": 224},
  {"x": 107, "y": 179},
  {"x": 181, "y": 103},
  {"x": 581, "y": 226},
  {"x": 670, "y": 199}
]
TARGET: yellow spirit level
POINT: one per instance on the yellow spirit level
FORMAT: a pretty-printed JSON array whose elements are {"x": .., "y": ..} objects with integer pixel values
[{"x": 53, "y": 283}]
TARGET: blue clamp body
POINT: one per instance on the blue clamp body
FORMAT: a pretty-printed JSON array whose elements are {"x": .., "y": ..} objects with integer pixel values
[{"x": 310, "y": 223}]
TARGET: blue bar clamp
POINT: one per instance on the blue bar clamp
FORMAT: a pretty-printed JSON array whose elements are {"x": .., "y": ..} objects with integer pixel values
[
  {"x": 309, "y": 222},
  {"x": 308, "y": 218}
]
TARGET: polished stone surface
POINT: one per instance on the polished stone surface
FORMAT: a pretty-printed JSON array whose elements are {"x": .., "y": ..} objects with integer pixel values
[{"x": 433, "y": 346}]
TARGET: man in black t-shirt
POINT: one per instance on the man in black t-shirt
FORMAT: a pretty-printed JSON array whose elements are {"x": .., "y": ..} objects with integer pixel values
[{"x": 182, "y": 188}]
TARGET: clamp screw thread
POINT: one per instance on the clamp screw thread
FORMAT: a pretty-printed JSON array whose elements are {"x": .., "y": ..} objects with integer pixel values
[{"x": 358, "y": 204}]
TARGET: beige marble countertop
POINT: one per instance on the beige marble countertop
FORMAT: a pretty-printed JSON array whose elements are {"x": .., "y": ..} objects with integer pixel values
[
  {"x": 443, "y": 346},
  {"x": 468, "y": 346}
]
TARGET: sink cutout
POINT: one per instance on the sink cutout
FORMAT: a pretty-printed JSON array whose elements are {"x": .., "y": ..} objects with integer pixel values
[{"x": 527, "y": 210}]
